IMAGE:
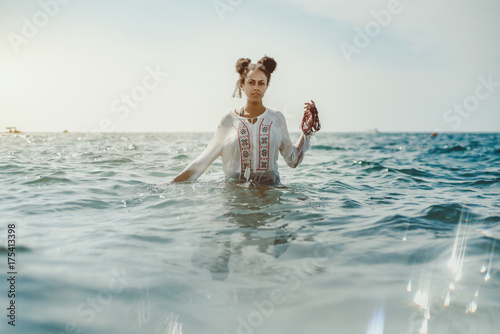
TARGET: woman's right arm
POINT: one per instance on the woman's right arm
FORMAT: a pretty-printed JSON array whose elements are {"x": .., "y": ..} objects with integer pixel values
[
  {"x": 183, "y": 176},
  {"x": 206, "y": 158}
]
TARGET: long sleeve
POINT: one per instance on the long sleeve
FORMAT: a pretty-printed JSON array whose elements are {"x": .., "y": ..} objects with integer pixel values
[
  {"x": 293, "y": 154},
  {"x": 213, "y": 150}
]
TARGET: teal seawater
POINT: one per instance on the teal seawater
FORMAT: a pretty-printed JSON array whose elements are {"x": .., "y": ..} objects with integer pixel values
[{"x": 372, "y": 233}]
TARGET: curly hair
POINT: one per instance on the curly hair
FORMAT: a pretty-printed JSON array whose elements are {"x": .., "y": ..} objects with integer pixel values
[{"x": 244, "y": 65}]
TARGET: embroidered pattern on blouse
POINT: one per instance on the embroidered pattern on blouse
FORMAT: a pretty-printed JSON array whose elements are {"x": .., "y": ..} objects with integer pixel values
[
  {"x": 264, "y": 139},
  {"x": 245, "y": 147},
  {"x": 244, "y": 141}
]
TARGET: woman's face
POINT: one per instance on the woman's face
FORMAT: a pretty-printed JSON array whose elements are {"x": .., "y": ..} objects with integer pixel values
[{"x": 255, "y": 85}]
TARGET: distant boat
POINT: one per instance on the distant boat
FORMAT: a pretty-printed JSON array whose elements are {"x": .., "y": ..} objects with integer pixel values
[{"x": 12, "y": 129}]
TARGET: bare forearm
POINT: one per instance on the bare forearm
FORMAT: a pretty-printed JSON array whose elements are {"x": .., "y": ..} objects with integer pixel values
[{"x": 183, "y": 176}]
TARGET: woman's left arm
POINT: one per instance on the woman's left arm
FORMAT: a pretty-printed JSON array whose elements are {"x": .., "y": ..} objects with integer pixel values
[{"x": 293, "y": 154}]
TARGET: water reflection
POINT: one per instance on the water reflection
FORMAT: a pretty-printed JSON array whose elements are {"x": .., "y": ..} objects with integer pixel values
[{"x": 249, "y": 231}]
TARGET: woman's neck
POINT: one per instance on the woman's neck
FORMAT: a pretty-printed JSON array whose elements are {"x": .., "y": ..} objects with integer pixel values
[{"x": 254, "y": 109}]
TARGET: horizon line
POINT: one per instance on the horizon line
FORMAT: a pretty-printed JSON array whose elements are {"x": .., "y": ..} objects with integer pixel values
[{"x": 291, "y": 132}]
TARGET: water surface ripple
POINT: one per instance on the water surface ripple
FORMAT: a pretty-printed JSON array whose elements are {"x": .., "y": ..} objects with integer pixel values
[{"x": 385, "y": 233}]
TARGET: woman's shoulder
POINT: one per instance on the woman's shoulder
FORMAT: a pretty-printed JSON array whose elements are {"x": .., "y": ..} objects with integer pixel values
[
  {"x": 227, "y": 118},
  {"x": 276, "y": 114},
  {"x": 228, "y": 115}
]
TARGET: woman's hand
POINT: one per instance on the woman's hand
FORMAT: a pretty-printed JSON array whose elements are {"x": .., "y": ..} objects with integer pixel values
[
  {"x": 183, "y": 176},
  {"x": 310, "y": 121}
]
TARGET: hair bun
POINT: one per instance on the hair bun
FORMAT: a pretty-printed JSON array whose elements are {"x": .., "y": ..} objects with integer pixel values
[
  {"x": 242, "y": 64},
  {"x": 269, "y": 63}
]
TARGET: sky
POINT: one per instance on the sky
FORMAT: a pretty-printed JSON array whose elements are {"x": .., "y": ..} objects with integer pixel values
[{"x": 168, "y": 66}]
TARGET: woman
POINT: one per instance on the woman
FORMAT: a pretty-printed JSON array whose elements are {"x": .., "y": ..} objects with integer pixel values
[{"x": 249, "y": 139}]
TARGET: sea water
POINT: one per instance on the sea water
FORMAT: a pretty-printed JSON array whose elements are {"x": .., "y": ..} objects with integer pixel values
[{"x": 372, "y": 233}]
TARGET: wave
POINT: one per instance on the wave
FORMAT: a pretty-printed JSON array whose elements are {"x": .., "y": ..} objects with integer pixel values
[
  {"x": 448, "y": 213},
  {"x": 487, "y": 182},
  {"x": 9, "y": 167},
  {"x": 12, "y": 169},
  {"x": 4, "y": 249},
  {"x": 113, "y": 161},
  {"x": 414, "y": 172},
  {"x": 83, "y": 204},
  {"x": 49, "y": 179},
  {"x": 475, "y": 174},
  {"x": 375, "y": 167},
  {"x": 439, "y": 217},
  {"x": 449, "y": 149},
  {"x": 492, "y": 219},
  {"x": 349, "y": 203},
  {"x": 328, "y": 148},
  {"x": 365, "y": 163},
  {"x": 372, "y": 166},
  {"x": 150, "y": 238},
  {"x": 338, "y": 186}
]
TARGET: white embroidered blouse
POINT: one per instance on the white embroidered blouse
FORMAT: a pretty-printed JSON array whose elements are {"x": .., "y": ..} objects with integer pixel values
[{"x": 250, "y": 151}]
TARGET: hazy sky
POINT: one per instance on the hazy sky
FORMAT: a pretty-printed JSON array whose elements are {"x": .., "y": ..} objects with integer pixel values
[{"x": 168, "y": 65}]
